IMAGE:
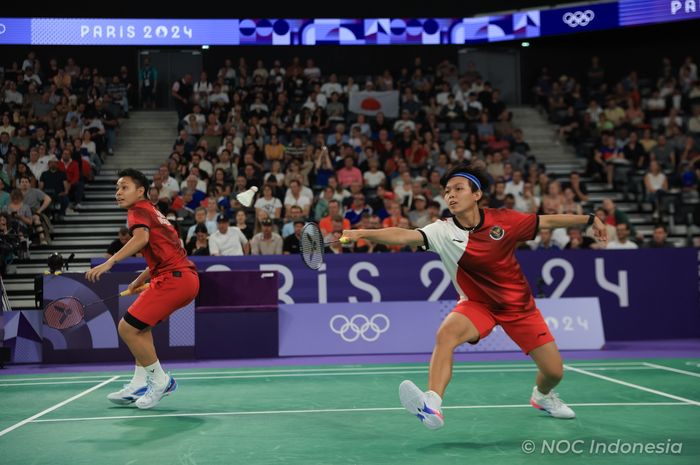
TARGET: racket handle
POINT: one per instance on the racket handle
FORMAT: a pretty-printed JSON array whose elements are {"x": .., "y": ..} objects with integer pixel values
[{"x": 138, "y": 290}]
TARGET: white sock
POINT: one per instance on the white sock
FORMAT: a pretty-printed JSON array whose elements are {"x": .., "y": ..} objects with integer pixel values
[
  {"x": 434, "y": 398},
  {"x": 139, "y": 378},
  {"x": 156, "y": 373}
]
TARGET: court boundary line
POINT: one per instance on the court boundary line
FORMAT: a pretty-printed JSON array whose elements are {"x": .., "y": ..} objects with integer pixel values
[
  {"x": 474, "y": 365},
  {"x": 344, "y": 410},
  {"x": 56, "y": 406},
  {"x": 674, "y": 370},
  {"x": 417, "y": 370},
  {"x": 632, "y": 385}
]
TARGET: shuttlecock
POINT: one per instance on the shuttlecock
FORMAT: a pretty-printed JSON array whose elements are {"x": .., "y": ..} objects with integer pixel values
[{"x": 246, "y": 197}]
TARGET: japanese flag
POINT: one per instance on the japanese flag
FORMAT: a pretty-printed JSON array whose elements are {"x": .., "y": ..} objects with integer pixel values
[{"x": 371, "y": 103}]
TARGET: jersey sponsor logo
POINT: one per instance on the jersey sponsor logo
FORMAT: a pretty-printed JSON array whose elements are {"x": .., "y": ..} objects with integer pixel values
[
  {"x": 457, "y": 240},
  {"x": 359, "y": 326},
  {"x": 497, "y": 233}
]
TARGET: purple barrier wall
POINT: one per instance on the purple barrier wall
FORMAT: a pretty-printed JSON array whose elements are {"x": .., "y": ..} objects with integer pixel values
[
  {"x": 232, "y": 298},
  {"x": 96, "y": 339},
  {"x": 409, "y": 327},
  {"x": 643, "y": 294}
]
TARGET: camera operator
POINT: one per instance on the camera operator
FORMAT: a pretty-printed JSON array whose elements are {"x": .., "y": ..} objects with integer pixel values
[
  {"x": 20, "y": 216},
  {"x": 9, "y": 243}
]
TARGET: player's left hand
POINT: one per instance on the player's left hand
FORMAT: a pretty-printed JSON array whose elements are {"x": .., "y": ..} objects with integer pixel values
[
  {"x": 600, "y": 231},
  {"x": 94, "y": 274},
  {"x": 350, "y": 235}
]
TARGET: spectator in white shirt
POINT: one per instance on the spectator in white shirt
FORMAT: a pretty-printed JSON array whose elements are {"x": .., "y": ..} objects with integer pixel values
[
  {"x": 228, "y": 240},
  {"x": 268, "y": 203},
  {"x": 36, "y": 166},
  {"x": 332, "y": 86},
  {"x": 202, "y": 163},
  {"x": 623, "y": 238},
  {"x": 374, "y": 177},
  {"x": 203, "y": 85},
  {"x": 515, "y": 185},
  {"x": 168, "y": 181},
  {"x": 295, "y": 197},
  {"x": 218, "y": 96},
  {"x": 404, "y": 122}
]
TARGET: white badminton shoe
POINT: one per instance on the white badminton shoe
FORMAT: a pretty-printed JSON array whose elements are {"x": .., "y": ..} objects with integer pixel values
[
  {"x": 155, "y": 393},
  {"x": 127, "y": 395},
  {"x": 426, "y": 406},
  {"x": 551, "y": 403}
]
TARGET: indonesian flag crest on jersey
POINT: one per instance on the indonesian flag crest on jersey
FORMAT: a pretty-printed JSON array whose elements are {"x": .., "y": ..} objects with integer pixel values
[{"x": 497, "y": 233}]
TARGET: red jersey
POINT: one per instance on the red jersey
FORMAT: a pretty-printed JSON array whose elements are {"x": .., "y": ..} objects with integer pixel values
[
  {"x": 163, "y": 251},
  {"x": 482, "y": 262}
]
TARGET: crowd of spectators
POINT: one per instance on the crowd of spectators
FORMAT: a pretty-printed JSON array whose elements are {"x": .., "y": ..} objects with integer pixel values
[
  {"x": 286, "y": 128},
  {"x": 639, "y": 134},
  {"x": 58, "y": 122}
]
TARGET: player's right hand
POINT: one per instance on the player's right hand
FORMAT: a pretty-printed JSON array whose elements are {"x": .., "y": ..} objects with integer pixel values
[{"x": 133, "y": 286}]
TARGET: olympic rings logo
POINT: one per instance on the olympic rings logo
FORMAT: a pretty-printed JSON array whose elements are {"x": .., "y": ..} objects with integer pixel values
[
  {"x": 359, "y": 326},
  {"x": 578, "y": 18}
]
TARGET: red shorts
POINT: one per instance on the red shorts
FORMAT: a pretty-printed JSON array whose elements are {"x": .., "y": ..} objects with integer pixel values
[
  {"x": 169, "y": 291},
  {"x": 527, "y": 329}
]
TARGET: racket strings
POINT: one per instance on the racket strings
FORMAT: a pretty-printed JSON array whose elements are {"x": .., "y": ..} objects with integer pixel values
[
  {"x": 64, "y": 313},
  {"x": 311, "y": 246}
]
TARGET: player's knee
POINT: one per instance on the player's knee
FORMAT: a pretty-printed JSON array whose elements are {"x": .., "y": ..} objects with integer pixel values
[
  {"x": 126, "y": 331},
  {"x": 449, "y": 338},
  {"x": 554, "y": 373}
]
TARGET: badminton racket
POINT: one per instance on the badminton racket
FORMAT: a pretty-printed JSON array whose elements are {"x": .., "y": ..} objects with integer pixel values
[
  {"x": 67, "y": 312},
  {"x": 312, "y": 245}
]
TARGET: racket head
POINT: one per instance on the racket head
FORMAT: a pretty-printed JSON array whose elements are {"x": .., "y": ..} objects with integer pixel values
[
  {"x": 64, "y": 313},
  {"x": 311, "y": 246}
]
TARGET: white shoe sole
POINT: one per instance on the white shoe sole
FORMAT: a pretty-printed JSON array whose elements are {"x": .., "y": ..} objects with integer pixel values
[
  {"x": 558, "y": 416},
  {"x": 413, "y": 400},
  {"x": 165, "y": 394},
  {"x": 120, "y": 400}
]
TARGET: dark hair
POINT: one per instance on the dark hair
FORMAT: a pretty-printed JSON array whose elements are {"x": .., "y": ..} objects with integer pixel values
[
  {"x": 478, "y": 173},
  {"x": 138, "y": 177}
]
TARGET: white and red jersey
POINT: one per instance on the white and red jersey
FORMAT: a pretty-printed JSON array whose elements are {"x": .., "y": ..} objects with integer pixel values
[{"x": 481, "y": 260}]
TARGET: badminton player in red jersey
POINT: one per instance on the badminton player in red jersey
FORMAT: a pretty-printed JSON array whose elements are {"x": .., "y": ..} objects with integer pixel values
[
  {"x": 477, "y": 248},
  {"x": 174, "y": 283}
]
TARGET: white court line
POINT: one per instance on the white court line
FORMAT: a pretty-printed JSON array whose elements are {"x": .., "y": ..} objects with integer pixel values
[
  {"x": 299, "y": 375},
  {"x": 52, "y": 378},
  {"x": 675, "y": 370},
  {"x": 344, "y": 410},
  {"x": 340, "y": 368},
  {"x": 185, "y": 376},
  {"x": 55, "y": 407},
  {"x": 635, "y": 386}
]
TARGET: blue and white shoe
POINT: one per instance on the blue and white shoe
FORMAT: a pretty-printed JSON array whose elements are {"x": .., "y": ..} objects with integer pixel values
[
  {"x": 155, "y": 393},
  {"x": 426, "y": 406},
  {"x": 127, "y": 395}
]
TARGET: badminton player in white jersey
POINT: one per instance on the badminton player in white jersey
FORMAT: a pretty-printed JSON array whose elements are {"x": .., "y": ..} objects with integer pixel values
[{"x": 477, "y": 248}]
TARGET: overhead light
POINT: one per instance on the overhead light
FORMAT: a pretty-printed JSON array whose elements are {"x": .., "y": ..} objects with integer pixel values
[
  {"x": 525, "y": 44},
  {"x": 205, "y": 47}
]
